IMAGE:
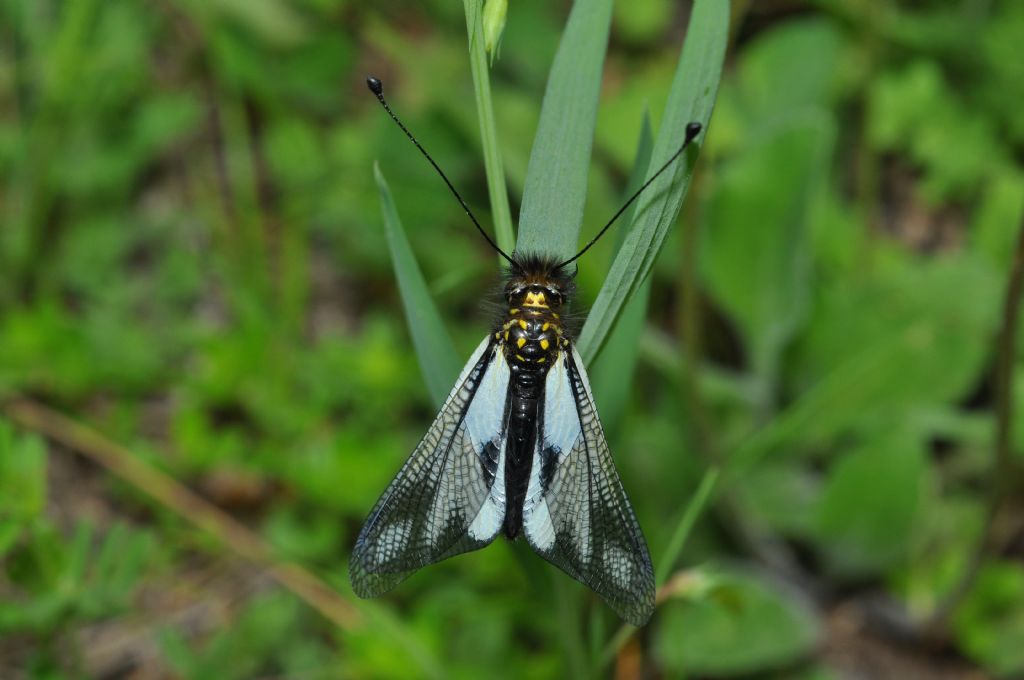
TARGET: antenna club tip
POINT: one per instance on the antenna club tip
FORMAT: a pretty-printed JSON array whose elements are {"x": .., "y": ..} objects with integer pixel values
[
  {"x": 692, "y": 130},
  {"x": 375, "y": 85}
]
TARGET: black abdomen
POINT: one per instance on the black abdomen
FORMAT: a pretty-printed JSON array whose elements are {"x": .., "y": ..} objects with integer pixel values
[{"x": 527, "y": 394}]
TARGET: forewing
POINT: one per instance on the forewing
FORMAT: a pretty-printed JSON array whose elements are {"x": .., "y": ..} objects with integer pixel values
[
  {"x": 444, "y": 500},
  {"x": 576, "y": 513}
]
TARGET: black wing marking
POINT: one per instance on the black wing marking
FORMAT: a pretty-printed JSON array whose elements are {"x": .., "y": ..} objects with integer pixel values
[
  {"x": 576, "y": 514},
  {"x": 443, "y": 501}
]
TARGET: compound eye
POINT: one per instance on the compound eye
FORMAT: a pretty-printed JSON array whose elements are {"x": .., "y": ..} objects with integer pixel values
[{"x": 554, "y": 296}]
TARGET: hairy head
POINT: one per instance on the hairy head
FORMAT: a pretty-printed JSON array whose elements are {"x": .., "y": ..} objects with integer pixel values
[{"x": 538, "y": 282}]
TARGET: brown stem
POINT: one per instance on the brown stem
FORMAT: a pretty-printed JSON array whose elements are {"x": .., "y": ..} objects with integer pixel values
[
  {"x": 1001, "y": 475},
  {"x": 179, "y": 499}
]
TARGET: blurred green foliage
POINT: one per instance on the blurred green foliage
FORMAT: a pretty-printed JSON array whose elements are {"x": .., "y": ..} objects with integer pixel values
[{"x": 193, "y": 260}]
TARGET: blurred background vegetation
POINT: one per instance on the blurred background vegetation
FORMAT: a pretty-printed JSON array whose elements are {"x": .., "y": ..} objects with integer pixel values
[{"x": 193, "y": 266}]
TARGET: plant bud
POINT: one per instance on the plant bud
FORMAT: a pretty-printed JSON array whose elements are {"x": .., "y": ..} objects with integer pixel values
[{"x": 495, "y": 12}]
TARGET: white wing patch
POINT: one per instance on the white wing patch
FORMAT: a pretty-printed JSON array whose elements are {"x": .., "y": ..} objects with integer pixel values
[
  {"x": 488, "y": 521},
  {"x": 482, "y": 423},
  {"x": 486, "y": 425},
  {"x": 561, "y": 417},
  {"x": 537, "y": 524},
  {"x": 484, "y": 417},
  {"x": 561, "y": 433}
]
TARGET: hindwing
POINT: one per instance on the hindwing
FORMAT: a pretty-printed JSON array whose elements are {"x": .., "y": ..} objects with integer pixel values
[{"x": 576, "y": 514}]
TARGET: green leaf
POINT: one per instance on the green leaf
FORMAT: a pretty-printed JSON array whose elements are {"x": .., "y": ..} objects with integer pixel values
[
  {"x": 990, "y": 623},
  {"x": 933, "y": 314},
  {"x": 556, "y": 179},
  {"x": 784, "y": 497},
  {"x": 994, "y": 226},
  {"x": 765, "y": 98},
  {"x": 643, "y": 22},
  {"x": 692, "y": 98},
  {"x": 274, "y": 21},
  {"x": 437, "y": 356},
  {"x": 907, "y": 339},
  {"x": 755, "y": 255},
  {"x": 612, "y": 373},
  {"x": 866, "y": 520},
  {"x": 22, "y": 475},
  {"x": 917, "y": 112},
  {"x": 744, "y": 625}
]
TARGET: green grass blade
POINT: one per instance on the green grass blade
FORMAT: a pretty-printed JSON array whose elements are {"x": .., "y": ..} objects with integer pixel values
[
  {"x": 496, "y": 187},
  {"x": 641, "y": 164},
  {"x": 556, "y": 178},
  {"x": 684, "y": 527},
  {"x": 692, "y": 98},
  {"x": 437, "y": 356},
  {"x": 612, "y": 373}
]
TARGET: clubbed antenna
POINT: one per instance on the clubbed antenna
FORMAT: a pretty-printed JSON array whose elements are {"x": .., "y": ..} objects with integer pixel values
[
  {"x": 377, "y": 88},
  {"x": 692, "y": 130}
]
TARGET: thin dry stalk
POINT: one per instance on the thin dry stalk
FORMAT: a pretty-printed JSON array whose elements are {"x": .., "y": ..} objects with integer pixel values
[
  {"x": 1002, "y": 472},
  {"x": 164, "y": 489}
]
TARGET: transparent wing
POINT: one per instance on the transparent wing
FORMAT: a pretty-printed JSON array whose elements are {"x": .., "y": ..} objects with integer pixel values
[
  {"x": 444, "y": 500},
  {"x": 576, "y": 514}
]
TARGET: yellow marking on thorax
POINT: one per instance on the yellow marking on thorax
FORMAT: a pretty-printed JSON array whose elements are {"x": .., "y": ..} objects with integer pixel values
[
  {"x": 520, "y": 342},
  {"x": 535, "y": 300},
  {"x": 523, "y": 324},
  {"x": 544, "y": 344}
]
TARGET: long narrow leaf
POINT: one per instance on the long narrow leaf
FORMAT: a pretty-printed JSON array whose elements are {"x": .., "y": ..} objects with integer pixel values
[
  {"x": 692, "y": 97},
  {"x": 612, "y": 373},
  {"x": 641, "y": 164},
  {"x": 693, "y": 511},
  {"x": 556, "y": 178},
  {"x": 437, "y": 356}
]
